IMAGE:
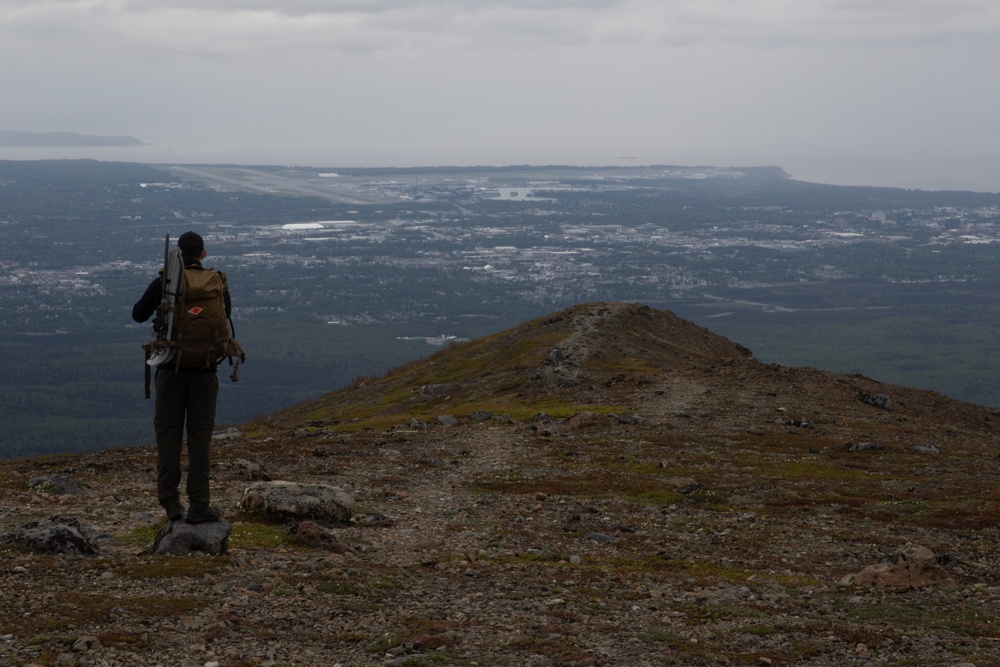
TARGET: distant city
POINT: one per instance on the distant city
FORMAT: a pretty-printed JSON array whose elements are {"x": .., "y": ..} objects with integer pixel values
[{"x": 344, "y": 272}]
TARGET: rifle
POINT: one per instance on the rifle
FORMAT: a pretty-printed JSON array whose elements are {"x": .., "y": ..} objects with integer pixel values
[{"x": 158, "y": 349}]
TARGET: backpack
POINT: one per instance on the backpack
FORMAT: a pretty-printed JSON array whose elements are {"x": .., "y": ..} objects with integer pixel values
[{"x": 203, "y": 331}]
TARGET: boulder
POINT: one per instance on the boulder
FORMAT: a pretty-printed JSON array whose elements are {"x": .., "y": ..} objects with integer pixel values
[
  {"x": 911, "y": 567},
  {"x": 292, "y": 500},
  {"x": 179, "y": 538},
  {"x": 62, "y": 485},
  {"x": 58, "y": 535}
]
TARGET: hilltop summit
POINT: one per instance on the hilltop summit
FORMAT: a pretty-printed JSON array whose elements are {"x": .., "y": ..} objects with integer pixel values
[
  {"x": 607, "y": 485},
  {"x": 583, "y": 356}
]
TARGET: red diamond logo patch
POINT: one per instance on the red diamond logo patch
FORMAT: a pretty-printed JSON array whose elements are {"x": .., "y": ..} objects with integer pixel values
[{"x": 195, "y": 310}]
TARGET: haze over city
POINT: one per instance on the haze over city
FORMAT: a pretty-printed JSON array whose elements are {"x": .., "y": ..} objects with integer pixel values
[{"x": 884, "y": 92}]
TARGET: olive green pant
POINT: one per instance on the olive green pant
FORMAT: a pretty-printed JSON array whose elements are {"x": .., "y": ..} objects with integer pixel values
[{"x": 184, "y": 397}]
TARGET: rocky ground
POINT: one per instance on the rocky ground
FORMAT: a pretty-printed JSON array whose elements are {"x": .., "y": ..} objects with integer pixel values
[{"x": 692, "y": 508}]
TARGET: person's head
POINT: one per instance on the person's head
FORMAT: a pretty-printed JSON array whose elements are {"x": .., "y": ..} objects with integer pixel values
[{"x": 192, "y": 246}]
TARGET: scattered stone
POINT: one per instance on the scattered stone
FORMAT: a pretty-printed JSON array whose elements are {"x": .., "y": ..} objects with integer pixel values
[
  {"x": 926, "y": 449},
  {"x": 880, "y": 401},
  {"x": 446, "y": 420},
  {"x": 480, "y": 416},
  {"x": 311, "y": 534},
  {"x": 231, "y": 433},
  {"x": 913, "y": 566},
  {"x": 86, "y": 644},
  {"x": 417, "y": 423},
  {"x": 582, "y": 420},
  {"x": 252, "y": 471},
  {"x": 180, "y": 538},
  {"x": 61, "y": 485},
  {"x": 292, "y": 500},
  {"x": 864, "y": 447},
  {"x": 373, "y": 521},
  {"x": 600, "y": 538},
  {"x": 628, "y": 419},
  {"x": 575, "y": 560},
  {"x": 58, "y": 535},
  {"x": 540, "y": 418},
  {"x": 680, "y": 483},
  {"x": 439, "y": 390}
]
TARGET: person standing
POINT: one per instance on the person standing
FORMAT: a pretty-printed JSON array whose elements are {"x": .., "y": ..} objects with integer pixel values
[{"x": 186, "y": 391}]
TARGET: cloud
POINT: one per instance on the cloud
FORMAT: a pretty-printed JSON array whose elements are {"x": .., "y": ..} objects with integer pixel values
[{"x": 235, "y": 28}]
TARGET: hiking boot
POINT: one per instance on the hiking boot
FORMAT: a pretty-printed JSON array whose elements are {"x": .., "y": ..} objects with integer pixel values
[
  {"x": 174, "y": 512},
  {"x": 204, "y": 515}
]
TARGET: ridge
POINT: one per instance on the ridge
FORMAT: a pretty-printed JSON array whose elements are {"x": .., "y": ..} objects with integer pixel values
[{"x": 618, "y": 486}]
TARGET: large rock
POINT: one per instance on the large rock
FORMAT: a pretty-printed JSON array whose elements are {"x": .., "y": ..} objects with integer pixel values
[
  {"x": 58, "y": 535},
  {"x": 291, "y": 500},
  {"x": 180, "y": 538},
  {"x": 62, "y": 485},
  {"x": 913, "y": 566}
]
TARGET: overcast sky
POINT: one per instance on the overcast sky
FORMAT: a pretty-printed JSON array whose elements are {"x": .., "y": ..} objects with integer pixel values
[{"x": 883, "y": 92}]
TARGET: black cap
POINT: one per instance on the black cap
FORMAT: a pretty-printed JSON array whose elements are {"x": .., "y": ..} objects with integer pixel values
[{"x": 190, "y": 243}]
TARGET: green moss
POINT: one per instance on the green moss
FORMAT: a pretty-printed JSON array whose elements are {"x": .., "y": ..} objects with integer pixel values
[
  {"x": 246, "y": 535},
  {"x": 169, "y": 567},
  {"x": 142, "y": 534}
]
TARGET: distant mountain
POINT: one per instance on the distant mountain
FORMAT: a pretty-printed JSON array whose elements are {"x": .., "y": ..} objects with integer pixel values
[{"x": 15, "y": 139}]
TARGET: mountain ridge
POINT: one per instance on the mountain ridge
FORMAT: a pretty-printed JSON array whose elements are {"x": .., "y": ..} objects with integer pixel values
[{"x": 619, "y": 487}]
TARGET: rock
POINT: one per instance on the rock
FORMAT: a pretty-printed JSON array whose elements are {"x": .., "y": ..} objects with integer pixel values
[
  {"x": 863, "y": 447},
  {"x": 62, "y": 485},
  {"x": 229, "y": 434},
  {"x": 373, "y": 521},
  {"x": 58, "y": 535},
  {"x": 85, "y": 644},
  {"x": 582, "y": 420},
  {"x": 417, "y": 423},
  {"x": 311, "y": 534},
  {"x": 252, "y": 471},
  {"x": 627, "y": 419},
  {"x": 180, "y": 538},
  {"x": 446, "y": 420},
  {"x": 926, "y": 449},
  {"x": 291, "y": 500},
  {"x": 439, "y": 390},
  {"x": 600, "y": 538},
  {"x": 880, "y": 401},
  {"x": 575, "y": 560},
  {"x": 480, "y": 416},
  {"x": 913, "y": 566}
]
